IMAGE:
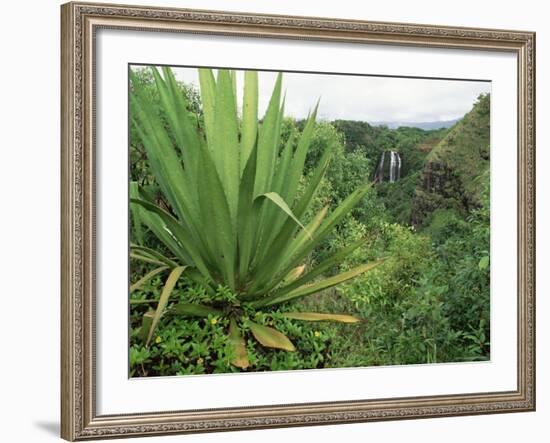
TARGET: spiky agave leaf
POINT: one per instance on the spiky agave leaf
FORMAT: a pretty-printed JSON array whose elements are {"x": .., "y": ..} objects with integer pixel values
[
  {"x": 249, "y": 131},
  {"x": 138, "y": 284},
  {"x": 163, "y": 300},
  {"x": 136, "y": 213},
  {"x": 320, "y": 316}
]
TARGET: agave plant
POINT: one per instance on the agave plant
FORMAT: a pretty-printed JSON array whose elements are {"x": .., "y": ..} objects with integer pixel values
[{"x": 233, "y": 212}]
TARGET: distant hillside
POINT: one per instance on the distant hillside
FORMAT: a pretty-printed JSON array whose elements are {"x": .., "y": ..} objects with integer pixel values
[
  {"x": 421, "y": 125},
  {"x": 411, "y": 143},
  {"x": 457, "y": 168}
]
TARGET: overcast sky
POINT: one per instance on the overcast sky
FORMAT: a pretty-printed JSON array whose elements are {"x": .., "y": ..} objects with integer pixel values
[{"x": 364, "y": 98}]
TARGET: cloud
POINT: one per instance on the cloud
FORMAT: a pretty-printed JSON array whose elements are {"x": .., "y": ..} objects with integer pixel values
[{"x": 364, "y": 98}]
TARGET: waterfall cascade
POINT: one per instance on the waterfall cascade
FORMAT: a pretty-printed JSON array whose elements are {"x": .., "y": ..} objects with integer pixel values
[{"x": 388, "y": 171}]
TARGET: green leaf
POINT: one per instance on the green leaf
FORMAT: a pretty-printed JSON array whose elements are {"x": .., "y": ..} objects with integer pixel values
[
  {"x": 163, "y": 300},
  {"x": 298, "y": 161},
  {"x": 269, "y": 337},
  {"x": 319, "y": 316},
  {"x": 151, "y": 253},
  {"x": 277, "y": 199},
  {"x": 145, "y": 259},
  {"x": 216, "y": 219},
  {"x": 247, "y": 216},
  {"x": 208, "y": 99},
  {"x": 194, "y": 310},
  {"x": 280, "y": 179},
  {"x": 225, "y": 141},
  {"x": 237, "y": 342},
  {"x": 268, "y": 141},
  {"x": 146, "y": 323},
  {"x": 136, "y": 213},
  {"x": 147, "y": 277},
  {"x": 250, "y": 116},
  {"x": 294, "y": 274},
  {"x": 483, "y": 263},
  {"x": 303, "y": 236},
  {"x": 314, "y": 183},
  {"x": 233, "y": 77}
]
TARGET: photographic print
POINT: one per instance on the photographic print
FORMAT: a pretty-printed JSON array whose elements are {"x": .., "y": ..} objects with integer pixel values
[
  {"x": 273, "y": 221},
  {"x": 300, "y": 220}
]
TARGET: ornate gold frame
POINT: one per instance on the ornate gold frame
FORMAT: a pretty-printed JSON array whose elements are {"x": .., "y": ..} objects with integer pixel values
[{"x": 79, "y": 21}]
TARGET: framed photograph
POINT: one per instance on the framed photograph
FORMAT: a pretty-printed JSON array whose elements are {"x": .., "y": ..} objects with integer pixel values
[{"x": 283, "y": 221}]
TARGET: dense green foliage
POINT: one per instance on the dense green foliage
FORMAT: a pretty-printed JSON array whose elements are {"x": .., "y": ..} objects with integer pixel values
[{"x": 427, "y": 302}]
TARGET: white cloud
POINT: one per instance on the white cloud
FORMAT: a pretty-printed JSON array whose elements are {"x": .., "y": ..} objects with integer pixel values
[{"x": 365, "y": 98}]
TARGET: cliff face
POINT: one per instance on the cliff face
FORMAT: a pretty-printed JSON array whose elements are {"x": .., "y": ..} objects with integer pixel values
[{"x": 457, "y": 169}]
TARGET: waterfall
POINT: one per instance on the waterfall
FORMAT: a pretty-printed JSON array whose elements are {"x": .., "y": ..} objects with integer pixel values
[
  {"x": 394, "y": 167},
  {"x": 380, "y": 169},
  {"x": 393, "y": 164},
  {"x": 398, "y": 165}
]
